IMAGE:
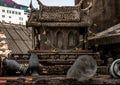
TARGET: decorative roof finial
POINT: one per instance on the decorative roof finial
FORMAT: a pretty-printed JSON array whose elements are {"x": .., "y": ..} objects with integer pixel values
[
  {"x": 90, "y": 4},
  {"x": 40, "y": 4},
  {"x": 80, "y": 2},
  {"x": 31, "y": 5}
]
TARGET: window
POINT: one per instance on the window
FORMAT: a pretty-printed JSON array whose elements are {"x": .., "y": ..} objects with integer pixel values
[
  {"x": 9, "y": 11},
  {"x": 12, "y": 12},
  {"x": 20, "y": 18},
  {"x": 15, "y": 12},
  {"x": 3, "y": 21},
  {"x": 9, "y": 16},
  {"x": 19, "y": 13},
  {"x": 3, "y": 16},
  {"x": 3, "y": 10},
  {"x": 25, "y": 13}
]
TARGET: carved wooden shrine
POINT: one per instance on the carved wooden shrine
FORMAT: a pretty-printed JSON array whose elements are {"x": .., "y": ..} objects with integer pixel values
[
  {"x": 59, "y": 35},
  {"x": 59, "y": 28}
]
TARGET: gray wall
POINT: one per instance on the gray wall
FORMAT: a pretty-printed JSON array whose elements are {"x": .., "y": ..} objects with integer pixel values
[{"x": 104, "y": 13}]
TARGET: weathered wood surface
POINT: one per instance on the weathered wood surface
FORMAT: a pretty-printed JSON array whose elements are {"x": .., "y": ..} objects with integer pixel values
[
  {"x": 112, "y": 31},
  {"x": 59, "y": 80}
]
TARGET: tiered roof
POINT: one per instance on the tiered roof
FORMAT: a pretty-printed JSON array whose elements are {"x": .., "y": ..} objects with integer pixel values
[{"x": 55, "y": 16}]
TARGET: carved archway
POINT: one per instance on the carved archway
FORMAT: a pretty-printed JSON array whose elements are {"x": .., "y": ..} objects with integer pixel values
[
  {"x": 59, "y": 39},
  {"x": 48, "y": 35},
  {"x": 71, "y": 41}
]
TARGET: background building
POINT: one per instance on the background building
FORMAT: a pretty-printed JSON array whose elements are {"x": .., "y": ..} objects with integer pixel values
[
  {"x": 104, "y": 13},
  {"x": 11, "y": 12}
]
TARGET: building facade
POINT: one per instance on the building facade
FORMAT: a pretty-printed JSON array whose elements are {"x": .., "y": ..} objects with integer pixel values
[{"x": 11, "y": 12}]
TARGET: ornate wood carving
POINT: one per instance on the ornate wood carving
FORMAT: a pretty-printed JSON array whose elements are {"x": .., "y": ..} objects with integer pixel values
[{"x": 60, "y": 14}]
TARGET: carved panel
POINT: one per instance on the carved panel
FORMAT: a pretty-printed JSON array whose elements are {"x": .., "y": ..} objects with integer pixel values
[{"x": 59, "y": 14}]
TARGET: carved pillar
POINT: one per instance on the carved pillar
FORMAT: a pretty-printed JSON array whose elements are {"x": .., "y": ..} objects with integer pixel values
[
  {"x": 52, "y": 39},
  {"x": 85, "y": 40},
  {"x": 37, "y": 41},
  {"x": 33, "y": 38},
  {"x": 65, "y": 37}
]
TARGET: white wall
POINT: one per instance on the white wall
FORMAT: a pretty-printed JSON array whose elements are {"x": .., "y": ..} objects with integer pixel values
[{"x": 15, "y": 17}]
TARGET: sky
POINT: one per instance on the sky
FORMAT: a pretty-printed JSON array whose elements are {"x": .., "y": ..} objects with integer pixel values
[{"x": 47, "y": 2}]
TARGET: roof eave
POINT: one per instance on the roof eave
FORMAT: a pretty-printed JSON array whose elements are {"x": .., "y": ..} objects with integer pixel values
[{"x": 57, "y": 24}]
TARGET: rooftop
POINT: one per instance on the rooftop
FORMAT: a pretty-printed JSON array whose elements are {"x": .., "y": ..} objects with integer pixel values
[
  {"x": 108, "y": 36},
  {"x": 19, "y": 38},
  {"x": 12, "y": 4}
]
